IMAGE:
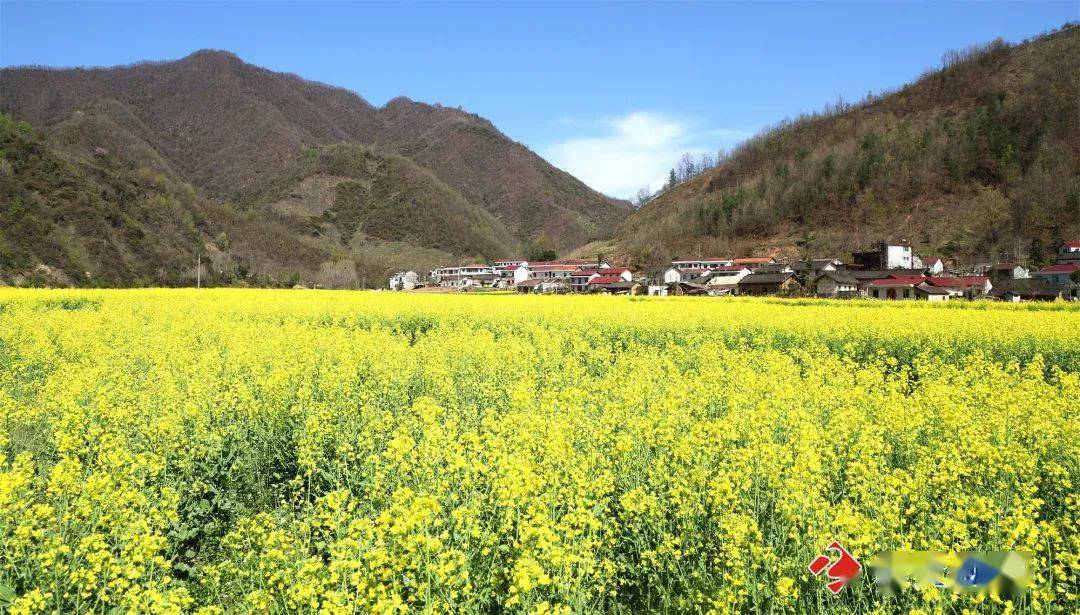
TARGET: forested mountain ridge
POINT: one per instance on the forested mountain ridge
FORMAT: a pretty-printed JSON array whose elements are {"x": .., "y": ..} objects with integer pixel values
[
  {"x": 977, "y": 160},
  {"x": 422, "y": 184}
]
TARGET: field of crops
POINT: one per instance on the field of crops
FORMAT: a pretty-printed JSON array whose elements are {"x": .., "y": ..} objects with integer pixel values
[{"x": 224, "y": 451}]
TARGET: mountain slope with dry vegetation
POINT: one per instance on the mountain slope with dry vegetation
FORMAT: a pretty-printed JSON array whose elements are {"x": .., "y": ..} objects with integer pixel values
[
  {"x": 422, "y": 184},
  {"x": 978, "y": 160}
]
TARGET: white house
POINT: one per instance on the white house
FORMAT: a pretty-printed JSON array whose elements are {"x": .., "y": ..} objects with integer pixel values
[
  {"x": 700, "y": 263},
  {"x": 934, "y": 265},
  {"x": 512, "y": 275},
  {"x": 463, "y": 276},
  {"x": 886, "y": 256},
  {"x": 404, "y": 280}
]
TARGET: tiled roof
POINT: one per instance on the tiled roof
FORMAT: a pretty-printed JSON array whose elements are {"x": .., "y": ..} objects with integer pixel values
[
  {"x": 606, "y": 279},
  {"x": 905, "y": 280},
  {"x": 766, "y": 278},
  {"x": 966, "y": 281},
  {"x": 1059, "y": 269}
]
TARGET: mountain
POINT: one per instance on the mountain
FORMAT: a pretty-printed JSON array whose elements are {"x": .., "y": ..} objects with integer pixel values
[
  {"x": 406, "y": 185},
  {"x": 977, "y": 160}
]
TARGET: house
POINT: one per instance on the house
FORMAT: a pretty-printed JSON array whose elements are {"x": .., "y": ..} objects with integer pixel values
[
  {"x": 1057, "y": 274},
  {"x": 1069, "y": 254},
  {"x": 658, "y": 290},
  {"x": 700, "y": 263},
  {"x": 512, "y": 275},
  {"x": 811, "y": 269},
  {"x": 723, "y": 280},
  {"x": 768, "y": 283},
  {"x": 934, "y": 265},
  {"x": 866, "y": 276},
  {"x": 754, "y": 262},
  {"x": 553, "y": 270},
  {"x": 674, "y": 275},
  {"x": 508, "y": 262},
  {"x": 529, "y": 286},
  {"x": 968, "y": 287},
  {"x": 910, "y": 287},
  {"x": 612, "y": 284},
  {"x": 1034, "y": 289},
  {"x": 774, "y": 267},
  {"x": 895, "y": 287},
  {"x": 580, "y": 279},
  {"x": 933, "y": 294},
  {"x": 625, "y": 288},
  {"x": 885, "y": 256},
  {"x": 836, "y": 284},
  {"x": 404, "y": 280},
  {"x": 1009, "y": 271}
]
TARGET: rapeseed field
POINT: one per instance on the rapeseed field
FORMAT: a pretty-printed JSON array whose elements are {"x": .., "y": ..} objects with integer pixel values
[{"x": 233, "y": 451}]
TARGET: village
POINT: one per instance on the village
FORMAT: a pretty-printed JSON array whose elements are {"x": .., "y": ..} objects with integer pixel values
[{"x": 887, "y": 271}]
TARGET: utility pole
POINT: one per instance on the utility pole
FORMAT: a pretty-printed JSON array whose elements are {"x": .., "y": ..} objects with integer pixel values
[{"x": 198, "y": 270}]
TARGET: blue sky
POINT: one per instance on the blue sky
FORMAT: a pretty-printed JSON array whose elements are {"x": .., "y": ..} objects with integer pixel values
[{"x": 610, "y": 92}]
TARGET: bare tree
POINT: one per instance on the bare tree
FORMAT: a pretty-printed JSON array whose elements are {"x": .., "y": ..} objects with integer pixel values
[
  {"x": 338, "y": 274},
  {"x": 644, "y": 195},
  {"x": 686, "y": 167}
]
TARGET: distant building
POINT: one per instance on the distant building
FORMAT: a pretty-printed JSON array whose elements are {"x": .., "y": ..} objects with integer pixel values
[
  {"x": 581, "y": 279},
  {"x": 934, "y": 265},
  {"x": 463, "y": 276},
  {"x": 836, "y": 284},
  {"x": 885, "y": 256},
  {"x": 1057, "y": 274},
  {"x": 512, "y": 275},
  {"x": 753, "y": 262},
  {"x": 767, "y": 283},
  {"x": 404, "y": 280},
  {"x": 1009, "y": 271},
  {"x": 1035, "y": 289},
  {"x": 1069, "y": 254},
  {"x": 968, "y": 287},
  {"x": 700, "y": 263},
  {"x": 723, "y": 280},
  {"x": 911, "y": 287}
]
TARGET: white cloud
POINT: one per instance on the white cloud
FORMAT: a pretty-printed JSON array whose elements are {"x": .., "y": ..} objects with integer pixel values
[{"x": 634, "y": 150}]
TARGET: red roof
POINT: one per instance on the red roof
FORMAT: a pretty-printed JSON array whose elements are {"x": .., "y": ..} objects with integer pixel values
[
  {"x": 966, "y": 281},
  {"x": 711, "y": 259},
  {"x": 613, "y": 271},
  {"x": 931, "y": 260},
  {"x": 584, "y": 273},
  {"x": 1059, "y": 269},
  {"x": 754, "y": 260},
  {"x": 1072, "y": 244},
  {"x": 512, "y": 268},
  {"x": 899, "y": 280},
  {"x": 606, "y": 279}
]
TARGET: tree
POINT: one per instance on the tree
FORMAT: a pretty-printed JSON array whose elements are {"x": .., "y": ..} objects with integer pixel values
[
  {"x": 686, "y": 168},
  {"x": 644, "y": 195},
  {"x": 672, "y": 180}
]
